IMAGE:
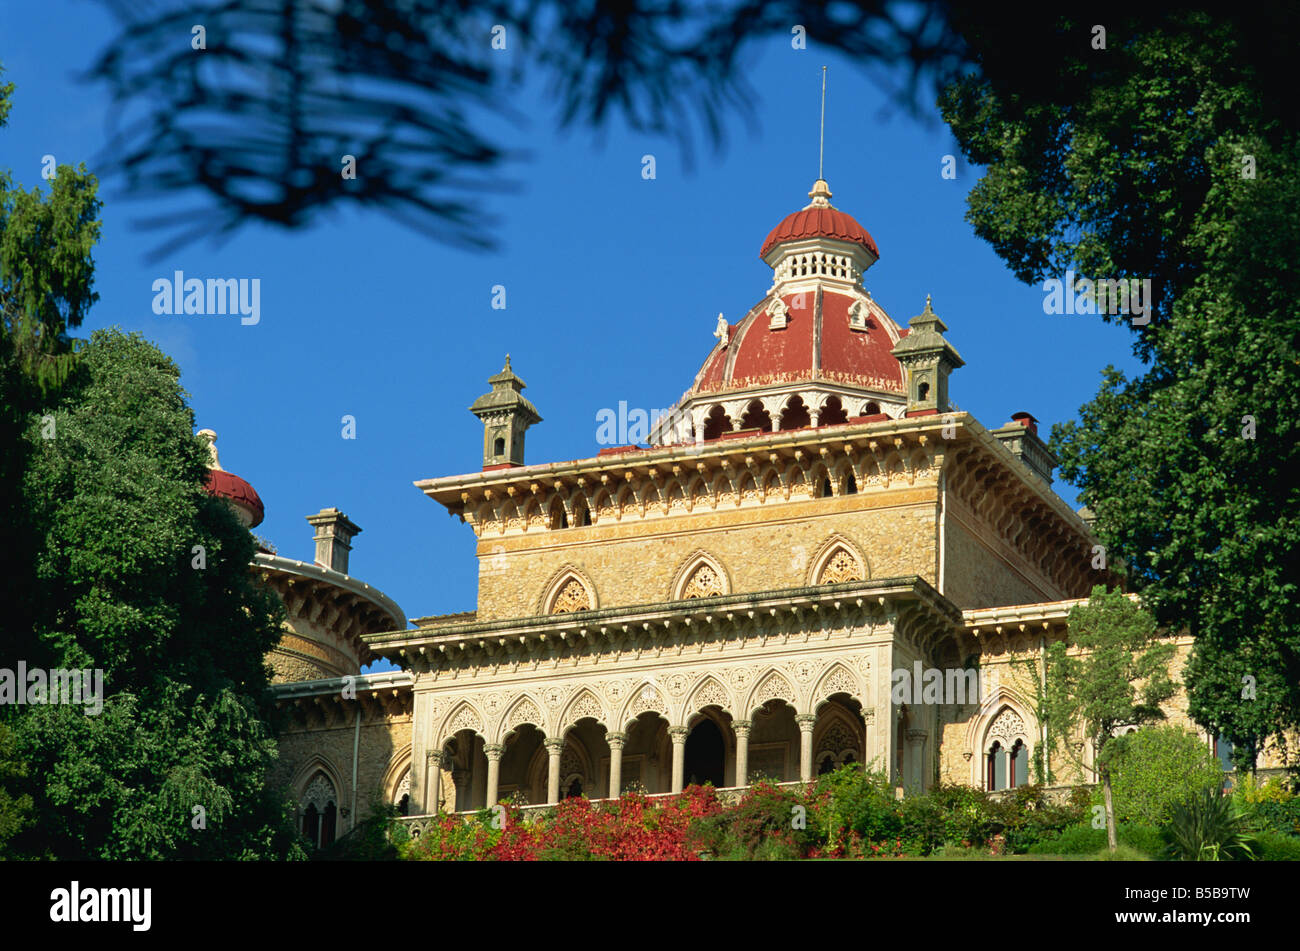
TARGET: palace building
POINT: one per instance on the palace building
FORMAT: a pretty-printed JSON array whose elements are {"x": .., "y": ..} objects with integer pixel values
[{"x": 730, "y": 602}]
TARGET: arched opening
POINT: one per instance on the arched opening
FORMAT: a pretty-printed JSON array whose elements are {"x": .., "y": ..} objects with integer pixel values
[
  {"x": 774, "y": 743},
  {"x": 705, "y": 755},
  {"x": 833, "y": 412},
  {"x": 559, "y": 519},
  {"x": 404, "y": 805},
  {"x": 319, "y": 811},
  {"x": 499, "y": 447},
  {"x": 923, "y": 392},
  {"x": 795, "y": 415},
  {"x": 997, "y": 767},
  {"x": 871, "y": 409},
  {"x": 850, "y": 484},
  {"x": 1019, "y": 772},
  {"x": 521, "y": 747},
  {"x": 716, "y": 423},
  {"x": 824, "y": 490},
  {"x": 756, "y": 417},
  {"x": 647, "y": 756}
]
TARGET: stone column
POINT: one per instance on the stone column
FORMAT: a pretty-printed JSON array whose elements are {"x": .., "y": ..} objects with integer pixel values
[
  {"x": 915, "y": 765},
  {"x": 434, "y": 764},
  {"x": 477, "y": 776},
  {"x": 615, "y": 741},
  {"x": 868, "y": 736},
  {"x": 806, "y": 723},
  {"x": 554, "y": 748},
  {"x": 678, "y": 735},
  {"x": 419, "y": 758},
  {"x": 741, "y": 728},
  {"x": 493, "y": 753},
  {"x": 461, "y": 778}
]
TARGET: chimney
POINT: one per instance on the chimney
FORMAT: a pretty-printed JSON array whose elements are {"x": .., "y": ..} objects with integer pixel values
[
  {"x": 334, "y": 534},
  {"x": 1021, "y": 437}
]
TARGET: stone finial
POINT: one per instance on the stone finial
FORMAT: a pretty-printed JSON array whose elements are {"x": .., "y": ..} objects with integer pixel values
[
  {"x": 334, "y": 534},
  {"x": 820, "y": 195},
  {"x": 506, "y": 414},
  {"x": 210, "y": 437}
]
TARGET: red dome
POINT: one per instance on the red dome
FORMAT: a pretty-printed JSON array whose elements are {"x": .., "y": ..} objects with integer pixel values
[
  {"x": 817, "y": 343},
  {"x": 227, "y": 485},
  {"x": 819, "y": 222}
]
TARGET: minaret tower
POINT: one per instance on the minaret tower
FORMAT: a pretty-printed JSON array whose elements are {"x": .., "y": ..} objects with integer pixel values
[
  {"x": 506, "y": 415},
  {"x": 928, "y": 358}
]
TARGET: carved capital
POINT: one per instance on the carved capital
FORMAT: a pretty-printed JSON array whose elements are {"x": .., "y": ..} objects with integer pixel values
[
  {"x": 741, "y": 727},
  {"x": 869, "y": 716},
  {"x": 678, "y": 734},
  {"x": 615, "y": 740},
  {"x": 917, "y": 736},
  {"x": 554, "y": 745},
  {"x": 806, "y": 722},
  {"x": 493, "y": 751}
]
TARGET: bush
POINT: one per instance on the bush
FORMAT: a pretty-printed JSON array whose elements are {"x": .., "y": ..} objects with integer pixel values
[
  {"x": 763, "y": 825},
  {"x": 1083, "y": 839},
  {"x": 1277, "y": 847},
  {"x": 1026, "y": 817},
  {"x": 1158, "y": 768},
  {"x": 1210, "y": 827},
  {"x": 853, "y": 804}
]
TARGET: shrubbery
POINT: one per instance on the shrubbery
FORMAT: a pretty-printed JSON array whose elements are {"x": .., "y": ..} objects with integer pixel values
[
  {"x": 1083, "y": 839},
  {"x": 1158, "y": 768}
]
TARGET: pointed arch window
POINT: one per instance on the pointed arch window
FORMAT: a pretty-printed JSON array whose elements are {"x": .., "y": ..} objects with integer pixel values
[{"x": 319, "y": 811}]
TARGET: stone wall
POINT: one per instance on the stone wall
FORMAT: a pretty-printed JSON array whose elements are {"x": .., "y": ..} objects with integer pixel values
[{"x": 760, "y": 548}]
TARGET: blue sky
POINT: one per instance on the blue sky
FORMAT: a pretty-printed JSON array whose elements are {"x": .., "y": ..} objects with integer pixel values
[{"x": 613, "y": 288}]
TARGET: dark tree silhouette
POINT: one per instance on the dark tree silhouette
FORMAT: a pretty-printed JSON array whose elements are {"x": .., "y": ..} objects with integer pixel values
[{"x": 260, "y": 119}]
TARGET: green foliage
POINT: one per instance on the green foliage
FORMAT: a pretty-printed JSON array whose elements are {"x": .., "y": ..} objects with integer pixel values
[
  {"x": 1082, "y": 839},
  {"x": 1276, "y": 847},
  {"x": 1167, "y": 160},
  {"x": 762, "y": 825},
  {"x": 15, "y": 812},
  {"x": 1118, "y": 677},
  {"x": 1025, "y": 816},
  {"x": 378, "y": 838},
  {"x": 1210, "y": 827},
  {"x": 851, "y": 801},
  {"x": 119, "y": 502},
  {"x": 1160, "y": 767}
]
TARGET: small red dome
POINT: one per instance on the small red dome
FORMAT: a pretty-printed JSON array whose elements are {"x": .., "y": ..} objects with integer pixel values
[
  {"x": 816, "y": 344},
  {"x": 819, "y": 222},
  {"x": 227, "y": 485}
]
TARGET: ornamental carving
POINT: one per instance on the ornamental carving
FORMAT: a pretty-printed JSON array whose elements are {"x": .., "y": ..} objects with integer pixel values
[
  {"x": 841, "y": 567},
  {"x": 740, "y": 678},
  {"x": 774, "y": 687},
  {"x": 803, "y": 670},
  {"x": 319, "y": 793},
  {"x": 1006, "y": 727},
  {"x": 676, "y": 684},
  {"x": 615, "y": 690},
  {"x": 584, "y": 706},
  {"x": 647, "y": 700},
  {"x": 572, "y": 597},
  {"x": 703, "y": 583},
  {"x": 524, "y": 712},
  {"x": 837, "y": 740},
  {"x": 465, "y": 719},
  {"x": 710, "y": 694},
  {"x": 554, "y": 696},
  {"x": 838, "y": 680}
]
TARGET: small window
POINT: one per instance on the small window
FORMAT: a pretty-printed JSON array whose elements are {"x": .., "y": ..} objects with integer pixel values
[
  {"x": 499, "y": 447},
  {"x": 997, "y": 768},
  {"x": 850, "y": 485},
  {"x": 826, "y": 489},
  {"x": 871, "y": 409},
  {"x": 923, "y": 392},
  {"x": 1019, "y": 772}
]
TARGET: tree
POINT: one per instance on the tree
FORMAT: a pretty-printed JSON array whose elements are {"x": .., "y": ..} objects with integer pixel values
[
  {"x": 1159, "y": 768},
  {"x": 142, "y": 574},
  {"x": 1113, "y": 671},
  {"x": 1167, "y": 158}
]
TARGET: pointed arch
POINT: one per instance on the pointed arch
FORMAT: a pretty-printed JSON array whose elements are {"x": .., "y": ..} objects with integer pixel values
[
  {"x": 701, "y": 575},
  {"x": 463, "y": 716},
  {"x": 648, "y": 697},
  {"x": 568, "y": 590},
  {"x": 837, "y": 679},
  {"x": 708, "y": 692},
  {"x": 772, "y": 685},
  {"x": 675, "y": 497},
  {"x": 584, "y": 704},
  {"x": 836, "y": 560},
  {"x": 396, "y": 774},
  {"x": 524, "y": 709}
]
